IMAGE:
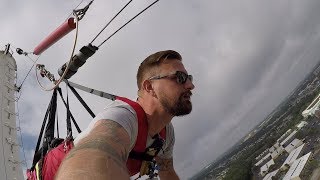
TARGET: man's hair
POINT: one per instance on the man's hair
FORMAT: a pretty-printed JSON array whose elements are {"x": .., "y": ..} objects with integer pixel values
[{"x": 149, "y": 66}]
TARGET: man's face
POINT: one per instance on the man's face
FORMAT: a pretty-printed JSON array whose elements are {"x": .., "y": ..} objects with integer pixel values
[{"x": 174, "y": 95}]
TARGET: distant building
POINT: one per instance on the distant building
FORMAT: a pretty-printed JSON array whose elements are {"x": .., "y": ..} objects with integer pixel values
[
  {"x": 286, "y": 134},
  {"x": 270, "y": 175},
  {"x": 310, "y": 110},
  {"x": 292, "y": 157},
  {"x": 266, "y": 158},
  {"x": 301, "y": 124},
  {"x": 260, "y": 156},
  {"x": 297, "y": 167},
  {"x": 277, "y": 152},
  {"x": 265, "y": 168},
  {"x": 294, "y": 144},
  {"x": 288, "y": 139}
]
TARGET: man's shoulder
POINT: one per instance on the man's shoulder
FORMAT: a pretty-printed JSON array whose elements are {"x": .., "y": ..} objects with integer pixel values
[{"x": 117, "y": 106}]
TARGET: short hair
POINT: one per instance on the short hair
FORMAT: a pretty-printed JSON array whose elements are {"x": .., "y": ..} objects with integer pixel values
[{"x": 149, "y": 66}]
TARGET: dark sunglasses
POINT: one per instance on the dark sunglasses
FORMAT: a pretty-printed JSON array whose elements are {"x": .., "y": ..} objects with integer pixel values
[{"x": 180, "y": 76}]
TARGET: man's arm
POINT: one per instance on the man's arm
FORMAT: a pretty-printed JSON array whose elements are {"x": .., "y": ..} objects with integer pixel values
[
  {"x": 100, "y": 155},
  {"x": 166, "y": 171}
]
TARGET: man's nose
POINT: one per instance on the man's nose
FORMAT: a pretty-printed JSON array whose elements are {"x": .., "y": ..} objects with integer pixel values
[{"x": 189, "y": 85}]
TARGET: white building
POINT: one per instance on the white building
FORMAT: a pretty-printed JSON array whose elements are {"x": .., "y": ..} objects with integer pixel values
[
  {"x": 286, "y": 134},
  {"x": 288, "y": 139},
  {"x": 265, "y": 168},
  {"x": 310, "y": 110},
  {"x": 297, "y": 167},
  {"x": 10, "y": 164},
  {"x": 265, "y": 158},
  {"x": 295, "y": 143},
  {"x": 270, "y": 175},
  {"x": 302, "y": 124},
  {"x": 260, "y": 156},
  {"x": 277, "y": 152},
  {"x": 292, "y": 157}
]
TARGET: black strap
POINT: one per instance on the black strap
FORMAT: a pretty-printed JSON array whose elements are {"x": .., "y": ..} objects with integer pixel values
[
  {"x": 36, "y": 158},
  {"x": 140, "y": 156},
  {"x": 69, "y": 128},
  {"x": 58, "y": 126},
  {"x": 84, "y": 104},
  {"x": 144, "y": 156},
  {"x": 49, "y": 132},
  {"x": 64, "y": 102}
]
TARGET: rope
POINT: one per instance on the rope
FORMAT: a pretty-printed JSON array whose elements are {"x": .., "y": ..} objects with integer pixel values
[
  {"x": 34, "y": 62},
  {"x": 20, "y": 133},
  {"x": 128, "y": 22},
  {"x": 74, "y": 8},
  {"x": 110, "y": 21}
]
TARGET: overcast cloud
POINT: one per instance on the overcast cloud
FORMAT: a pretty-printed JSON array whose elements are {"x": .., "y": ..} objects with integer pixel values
[{"x": 246, "y": 57}]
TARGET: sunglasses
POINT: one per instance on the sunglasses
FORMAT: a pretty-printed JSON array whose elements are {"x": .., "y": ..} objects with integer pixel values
[{"x": 180, "y": 76}]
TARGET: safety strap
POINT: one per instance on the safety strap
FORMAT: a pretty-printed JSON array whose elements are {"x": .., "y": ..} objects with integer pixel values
[
  {"x": 84, "y": 104},
  {"x": 49, "y": 132},
  {"x": 69, "y": 128},
  {"x": 53, "y": 101},
  {"x": 48, "y": 126},
  {"x": 73, "y": 120},
  {"x": 139, "y": 150}
]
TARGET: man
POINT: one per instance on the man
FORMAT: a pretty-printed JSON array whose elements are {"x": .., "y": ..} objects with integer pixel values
[{"x": 101, "y": 151}]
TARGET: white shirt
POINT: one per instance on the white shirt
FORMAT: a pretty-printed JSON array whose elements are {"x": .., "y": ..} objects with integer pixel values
[{"x": 125, "y": 115}]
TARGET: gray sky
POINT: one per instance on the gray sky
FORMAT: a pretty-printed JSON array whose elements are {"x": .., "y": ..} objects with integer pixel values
[{"x": 246, "y": 56}]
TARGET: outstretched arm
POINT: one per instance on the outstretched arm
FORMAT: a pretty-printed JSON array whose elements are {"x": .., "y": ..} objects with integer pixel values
[
  {"x": 166, "y": 171},
  {"x": 100, "y": 155}
]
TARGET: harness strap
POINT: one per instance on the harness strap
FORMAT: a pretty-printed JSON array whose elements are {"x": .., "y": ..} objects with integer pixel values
[
  {"x": 49, "y": 132},
  {"x": 140, "y": 145},
  {"x": 73, "y": 120},
  {"x": 36, "y": 156},
  {"x": 140, "y": 156},
  {"x": 84, "y": 104}
]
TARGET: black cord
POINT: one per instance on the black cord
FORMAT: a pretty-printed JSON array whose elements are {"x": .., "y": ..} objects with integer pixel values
[
  {"x": 34, "y": 62},
  {"x": 110, "y": 21},
  {"x": 128, "y": 22}
]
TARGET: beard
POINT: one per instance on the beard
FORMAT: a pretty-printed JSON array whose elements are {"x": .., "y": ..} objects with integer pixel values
[{"x": 181, "y": 106}]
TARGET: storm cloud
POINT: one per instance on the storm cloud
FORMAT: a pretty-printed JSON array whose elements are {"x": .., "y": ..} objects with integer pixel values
[{"x": 246, "y": 57}]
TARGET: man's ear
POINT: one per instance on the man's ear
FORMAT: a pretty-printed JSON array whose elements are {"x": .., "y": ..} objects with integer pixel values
[{"x": 147, "y": 86}]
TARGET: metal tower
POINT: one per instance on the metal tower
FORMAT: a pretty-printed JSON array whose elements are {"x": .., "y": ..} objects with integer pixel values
[{"x": 10, "y": 164}]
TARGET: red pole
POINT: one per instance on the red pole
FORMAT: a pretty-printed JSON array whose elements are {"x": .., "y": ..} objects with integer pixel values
[{"x": 55, "y": 36}]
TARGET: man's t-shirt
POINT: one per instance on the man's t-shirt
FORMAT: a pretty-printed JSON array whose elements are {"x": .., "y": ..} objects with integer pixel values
[{"x": 126, "y": 116}]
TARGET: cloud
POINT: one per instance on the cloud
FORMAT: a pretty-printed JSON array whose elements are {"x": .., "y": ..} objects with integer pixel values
[{"x": 245, "y": 57}]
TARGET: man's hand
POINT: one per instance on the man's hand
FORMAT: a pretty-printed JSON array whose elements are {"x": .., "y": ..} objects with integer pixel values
[
  {"x": 100, "y": 155},
  {"x": 166, "y": 171}
]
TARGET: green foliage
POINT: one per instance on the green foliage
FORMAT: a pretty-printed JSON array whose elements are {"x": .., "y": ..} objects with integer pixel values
[
  {"x": 238, "y": 171},
  {"x": 240, "y": 168}
]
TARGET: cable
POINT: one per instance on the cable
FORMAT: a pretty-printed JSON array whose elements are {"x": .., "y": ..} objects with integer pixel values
[
  {"x": 34, "y": 62},
  {"x": 67, "y": 68},
  {"x": 128, "y": 22},
  {"x": 20, "y": 132},
  {"x": 110, "y": 21},
  {"x": 23, "y": 53},
  {"x": 74, "y": 8}
]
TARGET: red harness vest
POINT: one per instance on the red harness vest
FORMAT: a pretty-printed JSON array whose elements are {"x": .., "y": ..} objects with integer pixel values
[{"x": 134, "y": 165}]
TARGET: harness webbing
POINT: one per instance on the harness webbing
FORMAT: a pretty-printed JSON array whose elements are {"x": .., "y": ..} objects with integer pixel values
[
  {"x": 84, "y": 104},
  {"x": 73, "y": 120},
  {"x": 53, "y": 102}
]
